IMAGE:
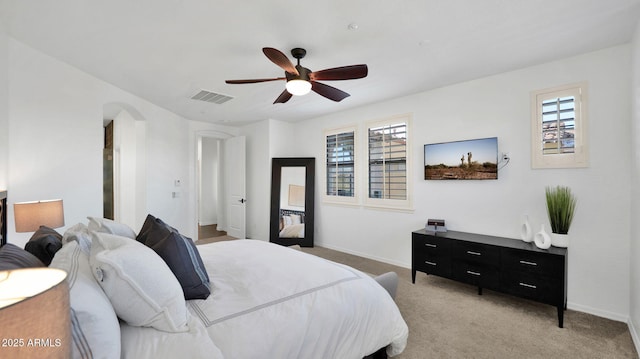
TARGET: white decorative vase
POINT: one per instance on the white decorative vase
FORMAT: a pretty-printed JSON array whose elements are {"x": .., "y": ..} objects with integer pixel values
[
  {"x": 542, "y": 239},
  {"x": 526, "y": 233},
  {"x": 560, "y": 240}
]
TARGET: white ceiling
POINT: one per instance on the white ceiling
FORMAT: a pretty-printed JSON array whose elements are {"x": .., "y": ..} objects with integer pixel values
[{"x": 167, "y": 50}]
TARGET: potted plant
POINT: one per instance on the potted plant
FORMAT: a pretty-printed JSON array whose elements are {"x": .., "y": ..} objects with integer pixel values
[{"x": 561, "y": 205}]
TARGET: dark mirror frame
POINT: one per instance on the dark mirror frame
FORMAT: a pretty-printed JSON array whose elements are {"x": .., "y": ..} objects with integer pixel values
[{"x": 309, "y": 163}]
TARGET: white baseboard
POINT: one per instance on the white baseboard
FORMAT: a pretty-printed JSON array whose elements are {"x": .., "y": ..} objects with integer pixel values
[
  {"x": 598, "y": 312},
  {"x": 634, "y": 335}
]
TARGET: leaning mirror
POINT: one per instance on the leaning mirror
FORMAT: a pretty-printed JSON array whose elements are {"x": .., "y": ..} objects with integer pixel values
[{"x": 292, "y": 192}]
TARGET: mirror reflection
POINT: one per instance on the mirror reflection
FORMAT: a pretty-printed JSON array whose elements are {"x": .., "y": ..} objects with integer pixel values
[{"x": 291, "y": 213}]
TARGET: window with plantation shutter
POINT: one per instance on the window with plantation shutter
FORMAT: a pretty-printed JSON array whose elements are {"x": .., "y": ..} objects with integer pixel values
[
  {"x": 340, "y": 165},
  {"x": 388, "y": 162},
  {"x": 559, "y": 127}
]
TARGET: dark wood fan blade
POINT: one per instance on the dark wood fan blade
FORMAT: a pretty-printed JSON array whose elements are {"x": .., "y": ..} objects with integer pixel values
[
  {"x": 329, "y": 92},
  {"x": 280, "y": 59},
  {"x": 284, "y": 97},
  {"x": 340, "y": 73},
  {"x": 254, "y": 80}
]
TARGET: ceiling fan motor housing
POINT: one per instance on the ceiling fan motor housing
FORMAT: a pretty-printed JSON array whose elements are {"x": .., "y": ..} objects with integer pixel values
[
  {"x": 298, "y": 53},
  {"x": 303, "y": 74}
]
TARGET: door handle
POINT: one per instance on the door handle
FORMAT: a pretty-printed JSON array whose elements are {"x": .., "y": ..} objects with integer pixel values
[{"x": 242, "y": 200}]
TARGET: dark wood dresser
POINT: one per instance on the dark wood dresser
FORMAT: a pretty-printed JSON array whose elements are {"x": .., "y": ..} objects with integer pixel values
[
  {"x": 501, "y": 264},
  {"x": 3, "y": 218}
]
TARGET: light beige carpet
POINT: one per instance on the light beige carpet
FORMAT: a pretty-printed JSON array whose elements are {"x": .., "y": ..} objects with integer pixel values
[{"x": 447, "y": 319}]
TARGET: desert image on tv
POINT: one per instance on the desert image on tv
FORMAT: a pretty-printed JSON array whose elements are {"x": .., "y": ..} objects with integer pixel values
[{"x": 462, "y": 160}]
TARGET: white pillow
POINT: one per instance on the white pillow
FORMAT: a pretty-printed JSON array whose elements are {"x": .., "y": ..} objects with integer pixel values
[
  {"x": 295, "y": 219},
  {"x": 287, "y": 220},
  {"x": 105, "y": 225},
  {"x": 95, "y": 327},
  {"x": 141, "y": 287},
  {"x": 78, "y": 233}
]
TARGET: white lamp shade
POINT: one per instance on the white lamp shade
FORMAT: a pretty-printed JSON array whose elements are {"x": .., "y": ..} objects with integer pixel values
[
  {"x": 298, "y": 87},
  {"x": 35, "y": 313},
  {"x": 29, "y": 216}
]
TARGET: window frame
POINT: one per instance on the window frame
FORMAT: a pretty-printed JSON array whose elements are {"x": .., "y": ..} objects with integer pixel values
[
  {"x": 384, "y": 203},
  {"x": 577, "y": 159},
  {"x": 336, "y": 199}
]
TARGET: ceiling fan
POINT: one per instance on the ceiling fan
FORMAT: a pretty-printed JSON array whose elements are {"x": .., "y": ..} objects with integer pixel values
[{"x": 301, "y": 80}]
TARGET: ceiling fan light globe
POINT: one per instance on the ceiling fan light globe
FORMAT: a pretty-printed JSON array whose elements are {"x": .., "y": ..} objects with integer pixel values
[{"x": 298, "y": 87}]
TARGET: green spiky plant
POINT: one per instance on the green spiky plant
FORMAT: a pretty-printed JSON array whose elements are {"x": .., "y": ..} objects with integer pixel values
[{"x": 561, "y": 205}]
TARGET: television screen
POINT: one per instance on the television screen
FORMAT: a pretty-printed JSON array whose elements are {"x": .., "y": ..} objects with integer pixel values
[{"x": 462, "y": 160}]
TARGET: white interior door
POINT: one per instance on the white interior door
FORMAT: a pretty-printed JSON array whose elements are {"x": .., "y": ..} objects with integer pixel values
[{"x": 234, "y": 175}]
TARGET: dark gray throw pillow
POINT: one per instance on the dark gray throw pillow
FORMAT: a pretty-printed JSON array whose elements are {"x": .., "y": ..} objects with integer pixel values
[
  {"x": 14, "y": 257},
  {"x": 44, "y": 244},
  {"x": 180, "y": 254}
]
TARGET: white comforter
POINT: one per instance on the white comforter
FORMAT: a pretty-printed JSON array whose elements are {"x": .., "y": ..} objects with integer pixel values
[{"x": 269, "y": 301}]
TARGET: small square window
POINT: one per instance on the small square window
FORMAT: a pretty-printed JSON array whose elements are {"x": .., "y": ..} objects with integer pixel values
[{"x": 559, "y": 127}]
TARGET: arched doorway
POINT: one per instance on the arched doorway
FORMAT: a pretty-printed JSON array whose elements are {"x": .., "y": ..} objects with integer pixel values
[{"x": 124, "y": 164}]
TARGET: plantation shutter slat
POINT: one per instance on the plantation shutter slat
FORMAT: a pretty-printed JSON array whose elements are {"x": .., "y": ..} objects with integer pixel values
[
  {"x": 340, "y": 164},
  {"x": 387, "y": 162},
  {"x": 558, "y": 125}
]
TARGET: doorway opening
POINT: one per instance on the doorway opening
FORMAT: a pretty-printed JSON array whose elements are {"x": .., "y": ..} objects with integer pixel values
[
  {"x": 210, "y": 205},
  {"x": 218, "y": 217}
]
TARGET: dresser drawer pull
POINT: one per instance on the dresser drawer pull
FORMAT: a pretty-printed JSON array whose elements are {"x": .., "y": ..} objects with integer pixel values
[
  {"x": 474, "y": 253},
  {"x": 430, "y": 245},
  {"x": 529, "y": 263},
  {"x": 528, "y": 285},
  {"x": 473, "y": 273},
  {"x": 431, "y": 263}
]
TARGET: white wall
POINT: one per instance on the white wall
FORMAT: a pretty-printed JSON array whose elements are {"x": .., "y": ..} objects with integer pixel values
[
  {"x": 4, "y": 102},
  {"x": 291, "y": 176},
  {"x": 125, "y": 164},
  {"x": 634, "y": 320},
  {"x": 499, "y": 106},
  {"x": 209, "y": 173},
  {"x": 258, "y": 179},
  {"x": 55, "y": 120},
  {"x": 265, "y": 140}
]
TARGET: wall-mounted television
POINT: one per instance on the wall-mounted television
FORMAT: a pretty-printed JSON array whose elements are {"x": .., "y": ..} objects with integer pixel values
[{"x": 462, "y": 160}]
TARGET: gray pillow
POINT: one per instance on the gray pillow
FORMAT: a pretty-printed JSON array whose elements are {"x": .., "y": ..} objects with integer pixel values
[
  {"x": 14, "y": 257},
  {"x": 180, "y": 254},
  {"x": 44, "y": 244}
]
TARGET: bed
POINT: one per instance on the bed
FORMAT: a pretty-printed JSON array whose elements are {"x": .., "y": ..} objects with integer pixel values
[
  {"x": 241, "y": 299},
  {"x": 291, "y": 224}
]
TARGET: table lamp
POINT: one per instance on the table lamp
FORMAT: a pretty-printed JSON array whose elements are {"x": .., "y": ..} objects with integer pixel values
[
  {"x": 29, "y": 216},
  {"x": 35, "y": 313}
]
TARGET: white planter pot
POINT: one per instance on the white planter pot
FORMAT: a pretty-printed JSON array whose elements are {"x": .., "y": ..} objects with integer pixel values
[{"x": 559, "y": 240}]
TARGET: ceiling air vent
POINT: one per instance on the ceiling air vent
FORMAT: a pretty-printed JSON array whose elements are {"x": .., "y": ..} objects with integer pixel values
[{"x": 208, "y": 96}]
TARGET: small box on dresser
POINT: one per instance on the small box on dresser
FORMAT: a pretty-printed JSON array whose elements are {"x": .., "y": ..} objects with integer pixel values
[{"x": 501, "y": 264}]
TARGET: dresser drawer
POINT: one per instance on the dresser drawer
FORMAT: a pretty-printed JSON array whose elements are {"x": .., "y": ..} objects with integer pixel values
[
  {"x": 432, "y": 263},
  {"x": 430, "y": 244},
  {"x": 431, "y": 255},
  {"x": 543, "y": 289},
  {"x": 532, "y": 262},
  {"x": 476, "y": 253},
  {"x": 478, "y": 275}
]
